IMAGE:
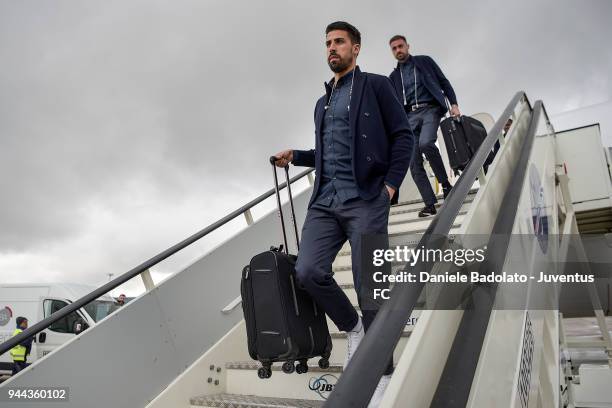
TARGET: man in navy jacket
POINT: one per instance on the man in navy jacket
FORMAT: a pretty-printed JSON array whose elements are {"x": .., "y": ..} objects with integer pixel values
[
  {"x": 423, "y": 89},
  {"x": 363, "y": 146}
]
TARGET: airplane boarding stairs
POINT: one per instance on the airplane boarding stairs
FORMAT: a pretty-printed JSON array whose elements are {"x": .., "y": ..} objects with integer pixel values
[
  {"x": 236, "y": 373},
  {"x": 242, "y": 386},
  {"x": 183, "y": 342}
]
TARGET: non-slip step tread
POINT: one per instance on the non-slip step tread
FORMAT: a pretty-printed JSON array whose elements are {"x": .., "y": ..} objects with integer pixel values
[
  {"x": 400, "y": 222},
  {"x": 440, "y": 198},
  {"x": 254, "y": 365},
  {"x": 417, "y": 231},
  {"x": 411, "y": 244},
  {"x": 395, "y": 266},
  {"x": 400, "y": 210},
  {"x": 252, "y": 401},
  {"x": 343, "y": 335}
]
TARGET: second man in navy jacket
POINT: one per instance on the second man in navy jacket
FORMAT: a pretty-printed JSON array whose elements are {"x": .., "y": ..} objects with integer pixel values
[{"x": 423, "y": 90}]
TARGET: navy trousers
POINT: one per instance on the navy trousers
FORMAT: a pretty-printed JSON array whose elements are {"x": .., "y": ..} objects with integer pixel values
[
  {"x": 325, "y": 231},
  {"x": 424, "y": 123}
]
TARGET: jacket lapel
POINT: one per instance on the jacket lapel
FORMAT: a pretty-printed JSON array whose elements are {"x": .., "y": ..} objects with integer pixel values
[
  {"x": 320, "y": 110},
  {"x": 417, "y": 62},
  {"x": 397, "y": 83},
  {"x": 358, "y": 86}
]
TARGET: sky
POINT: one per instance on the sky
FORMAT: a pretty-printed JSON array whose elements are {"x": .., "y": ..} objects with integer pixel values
[{"x": 126, "y": 126}]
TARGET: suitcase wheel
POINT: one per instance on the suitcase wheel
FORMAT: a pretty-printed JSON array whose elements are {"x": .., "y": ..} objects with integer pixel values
[
  {"x": 302, "y": 368},
  {"x": 264, "y": 372},
  {"x": 288, "y": 367},
  {"x": 323, "y": 363}
]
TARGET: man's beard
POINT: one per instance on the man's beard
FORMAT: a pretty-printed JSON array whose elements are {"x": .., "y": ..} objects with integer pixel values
[{"x": 339, "y": 64}]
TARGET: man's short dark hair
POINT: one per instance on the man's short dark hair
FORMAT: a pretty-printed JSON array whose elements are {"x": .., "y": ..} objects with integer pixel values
[
  {"x": 20, "y": 320},
  {"x": 352, "y": 31},
  {"x": 398, "y": 37}
]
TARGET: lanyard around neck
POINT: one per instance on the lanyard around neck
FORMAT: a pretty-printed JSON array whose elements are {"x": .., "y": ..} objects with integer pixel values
[
  {"x": 404, "y": 88},
  {"x": 348, "y": 107}
]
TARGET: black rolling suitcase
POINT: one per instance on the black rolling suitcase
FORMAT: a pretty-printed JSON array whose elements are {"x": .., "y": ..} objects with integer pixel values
[
  {"x": 283, "y": 322},
  {"x": 462, "y": 137}
]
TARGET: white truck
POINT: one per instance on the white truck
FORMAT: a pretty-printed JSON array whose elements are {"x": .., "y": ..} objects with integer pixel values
[{"x": 38, "y": 301}]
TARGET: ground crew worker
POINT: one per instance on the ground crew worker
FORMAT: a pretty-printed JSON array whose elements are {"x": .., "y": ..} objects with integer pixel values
[{"x": 20, "y": 352}]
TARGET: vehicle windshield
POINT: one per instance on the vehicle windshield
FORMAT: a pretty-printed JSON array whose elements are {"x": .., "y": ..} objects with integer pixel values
[{"x": 99, "y": 309}]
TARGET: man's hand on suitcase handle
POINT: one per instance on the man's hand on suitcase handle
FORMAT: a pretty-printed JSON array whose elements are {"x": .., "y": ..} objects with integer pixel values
[
  {"x": 454, "y": 111},
  {"x": 283, "y": 158}
]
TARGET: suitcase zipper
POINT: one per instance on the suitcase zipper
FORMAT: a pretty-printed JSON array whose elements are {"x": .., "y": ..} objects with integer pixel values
[
  {"x": 312, "y": 342},
  {"x": 250, "y": 310},
  {"x": 452, "y": 135},
  {"x": 287, "y": 339},
  {"x": 295, "y": 302},
  {"x": 454, "y": 144}
]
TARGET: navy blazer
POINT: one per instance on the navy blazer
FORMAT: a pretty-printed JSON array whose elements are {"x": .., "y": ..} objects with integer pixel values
[
  {"x": 433, "y": 78},
  {"x": 382, "y": 140}
]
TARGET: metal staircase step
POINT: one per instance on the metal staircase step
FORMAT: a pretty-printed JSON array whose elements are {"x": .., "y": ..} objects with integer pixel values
[
  {"x": 342, "y": 335},
  {"x": 343, "y": 262},
  {"x": 244, "y": 389},
  {"x": 415, "y": 235},
  {"x": 349, "y": 290},
  {"x": 411, "y": 243},
  {"x": 340, "y": 342},
  {"x": 346, "y": 252},
  {"x": 405, "y": 213},
  {"x": 409, "y": 231},
  {"x": 409, "y": 227},
  {"x": 413, "y": 208},
  {"x": 348, "y": 286},
  {"x": 440, "y": 198},
  {"x": 395, "y": 266},
  {"x": 242, "y": 378},
  {"x": 412, "y": 216},
  {"x": 251, "y": 401},
  {"x": 254, "y": 365}
]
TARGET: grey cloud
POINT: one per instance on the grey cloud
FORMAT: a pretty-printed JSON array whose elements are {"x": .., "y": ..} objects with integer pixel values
[{"x": 171, "y": 108}]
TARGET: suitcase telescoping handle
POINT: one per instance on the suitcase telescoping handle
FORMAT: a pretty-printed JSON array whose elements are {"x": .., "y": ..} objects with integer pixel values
[
  {"x": 448, "y": 105},
  {"x": 280, "y": 208},
  {"x": 453, "y": 124}
]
